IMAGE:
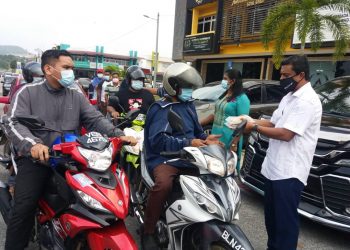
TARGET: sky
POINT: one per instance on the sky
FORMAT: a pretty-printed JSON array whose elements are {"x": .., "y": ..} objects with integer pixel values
[{"x": 118, "y": 25}]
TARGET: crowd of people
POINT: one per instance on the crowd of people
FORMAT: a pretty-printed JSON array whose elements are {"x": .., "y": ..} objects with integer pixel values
[{"x": 293, "y": 131}]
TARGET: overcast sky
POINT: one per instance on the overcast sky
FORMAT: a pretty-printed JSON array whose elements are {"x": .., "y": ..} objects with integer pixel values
[{"x": 119, "y": 25}]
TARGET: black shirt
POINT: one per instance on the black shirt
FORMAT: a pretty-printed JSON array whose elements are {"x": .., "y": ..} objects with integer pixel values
[{"x": 133, "y": 100}]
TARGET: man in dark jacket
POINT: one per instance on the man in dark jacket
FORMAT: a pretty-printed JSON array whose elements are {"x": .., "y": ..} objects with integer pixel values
[
  {"x": 61, "y": 109},
  {"x": 179, "y": 80}
]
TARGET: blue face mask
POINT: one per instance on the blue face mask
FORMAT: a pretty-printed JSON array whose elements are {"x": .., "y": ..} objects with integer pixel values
[
  {"x": 67, "y": 77},
  {"x": 186, "y": 95},
  {"x": 224, "y": 84},
  {"x": 137, "y": 84},
  {"x": 106, "y": 78}
]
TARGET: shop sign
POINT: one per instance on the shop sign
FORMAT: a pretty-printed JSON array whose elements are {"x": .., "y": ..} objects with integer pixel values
[
  {"x": 194, "y": 3},
  {"x": 249, "y": 2},
  {"x": 199, "y": 44}
]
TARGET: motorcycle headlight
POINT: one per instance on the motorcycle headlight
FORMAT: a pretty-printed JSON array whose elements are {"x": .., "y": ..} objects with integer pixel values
[
  {"x": 215, "y": 166},
  {"x": 231, "y": 166},
  {"x": 91, "y": 202},
  {"x": 98, "y": 160},
  {"x": 202, "y": 201}
]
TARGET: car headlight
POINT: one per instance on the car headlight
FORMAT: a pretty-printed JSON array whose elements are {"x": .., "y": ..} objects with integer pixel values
[
  {"x": 98, "y": 160},
  {"x": 344, "y": 162},
  {"x": 215, "y": 166},
  {"x": 91, "y": 202},
  {"x": 202, "y": 201},
  {"x": 231, "y": 166}
]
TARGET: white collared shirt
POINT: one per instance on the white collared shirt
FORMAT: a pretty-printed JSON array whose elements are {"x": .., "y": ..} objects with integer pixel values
[{"x": 301, "y": 113}]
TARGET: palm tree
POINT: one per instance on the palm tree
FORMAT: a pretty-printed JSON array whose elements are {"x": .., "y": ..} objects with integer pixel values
[{"x": 306, "y": 17}]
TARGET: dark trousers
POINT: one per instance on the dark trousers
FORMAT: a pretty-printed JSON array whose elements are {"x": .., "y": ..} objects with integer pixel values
[
  {"x": 164, "y": 176},
  {"x": 281, "y": 217},
  {"x": 30, "y": 183}
]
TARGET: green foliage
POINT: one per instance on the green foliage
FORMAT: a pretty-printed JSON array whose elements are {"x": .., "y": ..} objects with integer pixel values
[
  {"x": 13, "y": 64},
  {"x": 113, "y": 68},
  {"x": 305, "y": 17},
  {"x": 5, "y": 61}
]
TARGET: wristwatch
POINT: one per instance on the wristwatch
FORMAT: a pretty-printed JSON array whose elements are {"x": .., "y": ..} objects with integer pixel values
[{"x": 255, "y": 127}]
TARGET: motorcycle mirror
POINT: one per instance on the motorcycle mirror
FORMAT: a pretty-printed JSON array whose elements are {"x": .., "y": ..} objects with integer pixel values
[
  {"x": 30, "y": 121},
  {"x": 175, "y": 121},
  {"x": 132, "y": 114},
  {"x": 115, "y": 100},
  {"x": 239, "y": 129}
]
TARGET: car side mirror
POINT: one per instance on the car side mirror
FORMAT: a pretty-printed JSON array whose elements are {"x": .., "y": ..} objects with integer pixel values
[
  {"x": 175, "y": 121},
  {"x": 30, "y": 121}
]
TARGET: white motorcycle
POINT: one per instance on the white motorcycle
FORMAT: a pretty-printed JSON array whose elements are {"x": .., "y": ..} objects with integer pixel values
[{"x": 201, "y": 211}]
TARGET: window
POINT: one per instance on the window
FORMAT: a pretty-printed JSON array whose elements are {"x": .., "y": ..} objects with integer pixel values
[
  {"x": 274, "y": 93},
  {"x": 254, "y": 94},
  {"x": 206, "y": 24}
]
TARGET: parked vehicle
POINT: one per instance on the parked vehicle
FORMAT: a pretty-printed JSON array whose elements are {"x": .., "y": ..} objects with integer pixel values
[
  {"x": 201, "y": 210},
  {"x": 326, "y": 198},
  {"x": 87, "y": 197},
  {"x": 9, "y": 80},
  {"x": 85, "y": 83},
  {"x": 264, "y": 96}
]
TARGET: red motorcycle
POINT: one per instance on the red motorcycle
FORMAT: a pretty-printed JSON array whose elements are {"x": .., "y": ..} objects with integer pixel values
[{"x": 87, "y": 196}]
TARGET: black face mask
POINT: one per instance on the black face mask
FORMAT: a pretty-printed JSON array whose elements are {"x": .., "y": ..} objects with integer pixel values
[{"x": 288, "y": 84}]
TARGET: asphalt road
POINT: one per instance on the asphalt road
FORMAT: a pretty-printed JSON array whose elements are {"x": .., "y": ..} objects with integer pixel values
[{"x": 312, "y": 235}]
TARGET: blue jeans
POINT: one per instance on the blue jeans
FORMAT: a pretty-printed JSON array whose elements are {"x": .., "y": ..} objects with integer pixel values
[{"x": 281, "y": 216}]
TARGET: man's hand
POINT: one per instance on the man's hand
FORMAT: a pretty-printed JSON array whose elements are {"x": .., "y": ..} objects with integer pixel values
[
  {"x": 248, "y": 128},
  {"x": 40, "y": 152},
  {"x": 129, "y": 139},
  {"x": 197, "y": 143},
  {"x": 115, "y": 114}
]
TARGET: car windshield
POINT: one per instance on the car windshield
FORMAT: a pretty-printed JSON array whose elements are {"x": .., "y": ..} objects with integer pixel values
[
  {"x": 208, "y": 93},
  {"x": 335, "y": 96}
]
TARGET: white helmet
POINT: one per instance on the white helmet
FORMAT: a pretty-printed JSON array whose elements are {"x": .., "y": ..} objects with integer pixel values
[{"x": 181, "y": 75}]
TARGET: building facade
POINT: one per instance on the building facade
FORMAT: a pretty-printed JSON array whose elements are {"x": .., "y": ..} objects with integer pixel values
[
  {"x": 86, "y": 62},
  {"x": 216, "y": 35}
]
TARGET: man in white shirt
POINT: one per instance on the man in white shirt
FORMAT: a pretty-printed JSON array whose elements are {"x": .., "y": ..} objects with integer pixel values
[{"x": 293, "y": 132}]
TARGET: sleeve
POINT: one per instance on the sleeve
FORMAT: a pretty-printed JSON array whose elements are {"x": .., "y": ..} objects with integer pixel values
[
  {"x": 299, "y": 118},
  {"x": 243, "y": 106},
  {"x": 160, "y": 133},
  {"x": 160, "y": 92},
  {"x": 103, "y": 92},
  {"x": 20, "y": 136},
  {"x": 93, "y": 120}
]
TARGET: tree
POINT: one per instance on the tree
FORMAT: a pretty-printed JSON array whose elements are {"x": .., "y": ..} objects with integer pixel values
[
  {"x": 113, "y": 68},
  {"x": 13, "y": 64},
  {"x": 305, "y": 17}
]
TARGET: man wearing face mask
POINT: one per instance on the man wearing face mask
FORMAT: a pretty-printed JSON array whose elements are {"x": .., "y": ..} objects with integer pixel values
[
  {"x": 98, "y": 79},
  {"x": 293, "y": 132},
  {"x": 134, "y": 97},
  {"x": 61, "y": 109},
  {"x": 179, "y": 81},
  {"x": 101, "y": 101}
]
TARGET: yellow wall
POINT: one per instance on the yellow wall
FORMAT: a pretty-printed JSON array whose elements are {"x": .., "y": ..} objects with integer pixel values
[
  {"x": 202, "y": 11},
  {"x": 251, "y": 48}
]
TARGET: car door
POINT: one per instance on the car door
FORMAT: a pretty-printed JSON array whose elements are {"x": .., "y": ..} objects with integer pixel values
[{"x": 254, "y": 95}]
